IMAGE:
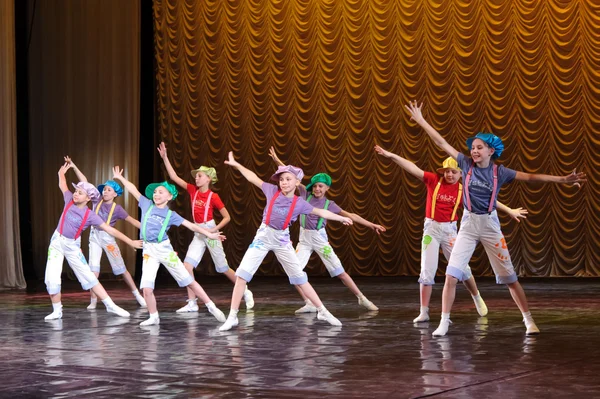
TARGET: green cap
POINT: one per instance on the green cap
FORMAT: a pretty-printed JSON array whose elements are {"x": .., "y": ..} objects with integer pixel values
[
  {"x": 170, "y": 188},
  {"x": 319, "y": 178}
]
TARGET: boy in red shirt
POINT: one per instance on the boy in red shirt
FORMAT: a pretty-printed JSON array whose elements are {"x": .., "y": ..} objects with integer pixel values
[{"x": 444, "y": 198}]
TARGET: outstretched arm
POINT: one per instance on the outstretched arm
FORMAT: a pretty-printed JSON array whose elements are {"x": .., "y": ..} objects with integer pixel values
[
  {"x": 517, "y": 213},
  {"x": 273, "y": 155},
  {"x": 404, "y": 163},
  {"x": 573, "y": 178},
  {"x": 162, "y": 150},
  {"x": 247, "y": 173},
  {"x": 325, "y": 214},
  {"x": 80, "y": 175},
  {"x": 197, "y": 229},
  {"x": 129, "y": 186},
  {"x": 134, "y": 222},
  {"x": 136, "y": 244},
  {"x": 357, "y": 219},
  {"x": 417, "y": 116},
  {"x": 62, "y": 180}
]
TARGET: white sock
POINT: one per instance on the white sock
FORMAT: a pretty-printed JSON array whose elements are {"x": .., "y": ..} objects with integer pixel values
[
  {"x": 233, "y": 312},
  {"x": 445, "y": 316},
  {"x": 322, "y": 309},
  {"x": 154, "y": 315},
  {"x": 93, "y": 300},
  {"x": 108, "y": 302},
  {"x": 425, "y": 310},
  {"x": 135, "y": 293},
  {"x": 476, "y": 296},
  {"x": 209, "y": 305},
  {"x": 56, "y": 306},
  {"x": 527, "y": 315}
]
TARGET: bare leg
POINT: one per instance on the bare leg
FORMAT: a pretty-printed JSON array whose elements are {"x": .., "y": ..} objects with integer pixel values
[
  {"x": 150, "y": 300},
  {"x": 518, "y": 295},
  {"x": 129, "y": 281},
  {"x": 198, "y": 291},
  {"x": 190, "y": 270},
  {"x": 425, "y": 294},
  {"x": 301, "y": 293},
  {"x": 449, "y": 293},
  {"x": 348, "y": 282},
  {"x": 230, "y": 274},
  {"x": 471, "y": 286},
  {"x": 100, "y": 292},
  {"x": 310, "y": 293},
  {"x": 93, "y": 296},
  {"x": 238, "y": 293},
  {"x": 55, "y": 298}
]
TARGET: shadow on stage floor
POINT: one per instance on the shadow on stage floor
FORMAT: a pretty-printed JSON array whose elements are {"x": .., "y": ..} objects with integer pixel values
[{"x": 276, "y": 354}]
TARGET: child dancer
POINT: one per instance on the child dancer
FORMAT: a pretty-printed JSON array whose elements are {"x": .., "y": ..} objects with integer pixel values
[
  {"x": 441, "y": 213},
  {"x": 203, "y": 203},
  {"x": 156, "y": 220},
  {"x": 483, "y": 179},
  {"x": 110, "y": 212},
  {"x": 66, "y": 242},
  {"x": 313, "y": 236},
  {"x": 283, "y": 208}
]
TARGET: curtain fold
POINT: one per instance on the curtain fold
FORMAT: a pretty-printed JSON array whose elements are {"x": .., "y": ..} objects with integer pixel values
[
  {"x": 11, "y": 267},
  {"x": 325, "y": 80},
  {"x": 84, "y": 102}
]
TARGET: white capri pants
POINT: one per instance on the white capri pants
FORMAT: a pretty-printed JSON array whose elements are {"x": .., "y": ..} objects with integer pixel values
[
  {"x": 278, "y": 241},
  {"x": 60, "y": 248},
  {"x": 157, "y": 253},
  {"x": 485, "y": 229},
  {"x": 198, "y": 247},
  {"x": 436, "y": 235},
  {"x": 316, "y": 240},
  {"x": 101, "y": 240}
]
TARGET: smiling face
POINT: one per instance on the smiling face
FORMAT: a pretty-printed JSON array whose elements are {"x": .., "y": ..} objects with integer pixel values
[
  {"x": 80, "y": 197},
  {"x": 288, "y": 183},
  {"x": 451, "y": 176},
  {"x": 108, "y": 194},
  {"x": 319, "y": 190},
  {"x": 481, "y": 152},
  {"x": 161, "y": 196},
  {"x": 202, "y": 179}
]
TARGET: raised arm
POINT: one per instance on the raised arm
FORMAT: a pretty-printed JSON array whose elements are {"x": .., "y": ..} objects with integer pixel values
[
  {"x": 572, "y": 178},
  {"x": 417, "y": 116},
  {"x": 517, "y": 213},
  {"x": 136, "y": 244},
  {"x": 197, "y": 229},
  {"x": 404, "y": 163},
  {"x": 62, "y": 180},
  {"x": 134, "y": 222},
  {"x": 278, "y": 161},
  {"x": 247, "y": 173},
  {"x": 162, "y": 150},
  {"x": 129, "y": 186},
  {"x": 357, "y": 219},
  {"x": 325, "y": 214},
  {"x": 80, "y": 175}
]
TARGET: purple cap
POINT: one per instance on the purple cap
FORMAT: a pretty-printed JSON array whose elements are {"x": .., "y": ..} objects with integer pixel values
[
  {"x": 90, "y": 189},
  {"x": 288, "y": 168}
]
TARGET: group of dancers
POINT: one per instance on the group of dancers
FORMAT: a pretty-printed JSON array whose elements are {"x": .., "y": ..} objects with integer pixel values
[{"x": 482, "y": 179}]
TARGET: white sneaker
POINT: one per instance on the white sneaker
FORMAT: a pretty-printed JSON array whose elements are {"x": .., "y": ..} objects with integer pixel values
[
  {"x": 152, "y": 321},
  {"x": 215, "y": 311},
  {"x": 532, "y": 329},
  {"x": 141, "y": 301},
  {"x": 191, "y": 306},
  {"x": 57, "y": 314},
  {"x": 364, "y": 302},
  {"x": 92, "y": 305},
  {"x": 249, "y": 299},
  {"x": 422, "y": 318},
  {"x": 308, "y": 308},
  {"x": 231, "y": 322},
  {"x": 119, "y": 311},
  {"x": 442, "y": 329},
  {"x": 481, "y": 306},
  {"x": 328, "y": 317}
]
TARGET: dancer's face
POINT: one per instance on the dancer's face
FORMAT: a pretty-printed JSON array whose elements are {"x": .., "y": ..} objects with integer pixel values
[
  {"x": 161, "y": 196},
  {"x": 451, "y": 176},
  {"x": 480, "y": 151},
  {"x": 319, "y": 190},
  {"x": 202, "y": 179},
  {"x": 80, "y": 197},
  {"x": 108, "y": 194},
  {"x": 288, "y": 183}
]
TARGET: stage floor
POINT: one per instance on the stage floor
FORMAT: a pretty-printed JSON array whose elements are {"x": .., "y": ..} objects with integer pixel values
[{"x": 276, "y": 354}]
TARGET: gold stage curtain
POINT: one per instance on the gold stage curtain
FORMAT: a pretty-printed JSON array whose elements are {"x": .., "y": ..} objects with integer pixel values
[
  {"x": 11, "y": 267},
  {"x": 84, "y": 88},
  {"x": 325, "y": 80}
]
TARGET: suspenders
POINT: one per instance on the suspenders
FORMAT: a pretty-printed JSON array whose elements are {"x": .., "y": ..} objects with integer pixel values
[
  {"x": 112, "y": 209},
  {"x": 320, "y": 222},
  {"x": 206, "y": 205},
  {"x": 161, "y": 234},
  {"x": 492, "y": 199},
  {"x": 62, "y": 221},
  {"x": 290, "y": 213},
  {"x": 433, "y": 200}
]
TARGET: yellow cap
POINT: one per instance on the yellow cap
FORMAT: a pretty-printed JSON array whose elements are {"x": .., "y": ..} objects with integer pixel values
[{"x": 449, "y": 163}]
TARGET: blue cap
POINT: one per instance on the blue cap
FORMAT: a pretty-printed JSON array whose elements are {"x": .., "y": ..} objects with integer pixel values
[
  {"x": 491, "y": 140},
  {"x": 112, "y": 184}
]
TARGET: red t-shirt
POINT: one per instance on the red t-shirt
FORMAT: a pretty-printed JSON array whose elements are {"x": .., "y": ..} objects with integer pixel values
[
  {"x": 446, "y": 197},
  {"x": 199, "y": 202}
]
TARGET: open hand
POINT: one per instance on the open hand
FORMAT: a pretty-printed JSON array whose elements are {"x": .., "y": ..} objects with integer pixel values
[
  {"x": 415, "y": 112},
  {"x": 383, "y": 152},
  {"x": 117, "y": 172},
  {"x": 518, "y": 213},
  {"x": 230, "y": 160},
  {"x": 575, "y": 178},
  {"x": 162, "y": 149}
]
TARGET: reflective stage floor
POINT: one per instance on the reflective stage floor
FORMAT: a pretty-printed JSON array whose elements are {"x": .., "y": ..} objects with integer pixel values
[{"x": 276, "y": 354}]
